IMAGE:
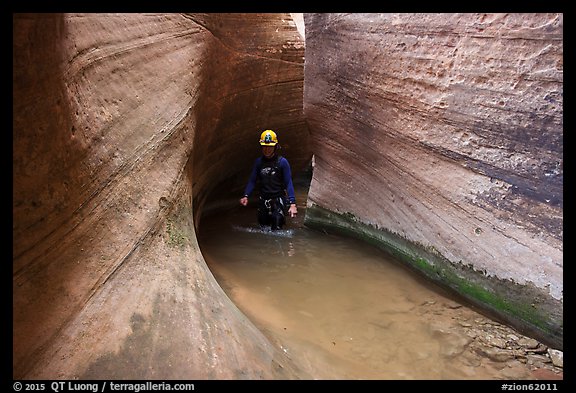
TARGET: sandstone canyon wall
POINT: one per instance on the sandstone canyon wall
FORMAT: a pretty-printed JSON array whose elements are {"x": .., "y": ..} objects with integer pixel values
[
  {"x": 439, "y": 138},
  {"x": 123, "y": 126}
]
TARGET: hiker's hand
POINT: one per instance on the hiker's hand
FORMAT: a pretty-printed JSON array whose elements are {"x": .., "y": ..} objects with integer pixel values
[
  {"x": 244, "y": 201},
  {"x": 293, "y": 210}
]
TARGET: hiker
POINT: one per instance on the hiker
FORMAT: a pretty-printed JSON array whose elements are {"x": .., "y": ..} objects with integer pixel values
[{"x": 272, "y": 172}]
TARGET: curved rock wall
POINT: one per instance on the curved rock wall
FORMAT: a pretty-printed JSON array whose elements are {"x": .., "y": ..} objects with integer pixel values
[
  {"x": 436, "y": 136},
  {"x": 122, "y": 123},
  {"x": 439, "y": 138}
]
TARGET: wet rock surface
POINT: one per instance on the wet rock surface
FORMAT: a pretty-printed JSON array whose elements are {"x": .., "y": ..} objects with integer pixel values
[
  {"x": 481, "y": 342},
  {"x": 446, "y": 131},
  {"x": 120, "y": 126}
]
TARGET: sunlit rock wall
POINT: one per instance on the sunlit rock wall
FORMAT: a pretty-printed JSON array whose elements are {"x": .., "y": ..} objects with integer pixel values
[
  {"x": 439, "y": 137},
  {"x": 122, "y": 124}
]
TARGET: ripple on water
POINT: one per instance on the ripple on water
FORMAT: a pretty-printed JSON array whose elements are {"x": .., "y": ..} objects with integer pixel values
[{"x": 342, "y": 309}]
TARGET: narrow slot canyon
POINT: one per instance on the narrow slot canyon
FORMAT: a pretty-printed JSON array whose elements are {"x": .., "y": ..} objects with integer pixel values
[{"x": 437, "y": 145}]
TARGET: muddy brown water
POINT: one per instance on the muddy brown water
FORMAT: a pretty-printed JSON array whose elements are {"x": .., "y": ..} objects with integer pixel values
[{"x": 342, "y": 309}]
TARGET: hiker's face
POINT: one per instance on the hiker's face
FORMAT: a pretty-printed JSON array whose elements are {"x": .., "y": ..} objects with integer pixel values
[{"x": 268, "y": 151}]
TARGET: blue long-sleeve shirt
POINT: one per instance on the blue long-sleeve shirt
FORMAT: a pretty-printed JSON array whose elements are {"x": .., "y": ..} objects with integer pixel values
[{"x": 286, "y": 175}]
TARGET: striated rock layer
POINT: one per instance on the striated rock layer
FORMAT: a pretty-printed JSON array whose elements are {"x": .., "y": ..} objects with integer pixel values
[
  {"x": 124, "y": 124},
  {"x": 439, "y": 138}
]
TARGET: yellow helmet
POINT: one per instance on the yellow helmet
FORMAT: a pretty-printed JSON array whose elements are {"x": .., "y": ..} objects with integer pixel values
[{"x": 268, "y": 138}]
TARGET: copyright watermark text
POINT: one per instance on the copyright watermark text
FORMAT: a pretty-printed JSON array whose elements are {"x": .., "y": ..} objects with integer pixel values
[{"x": 100, "y": 386}]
